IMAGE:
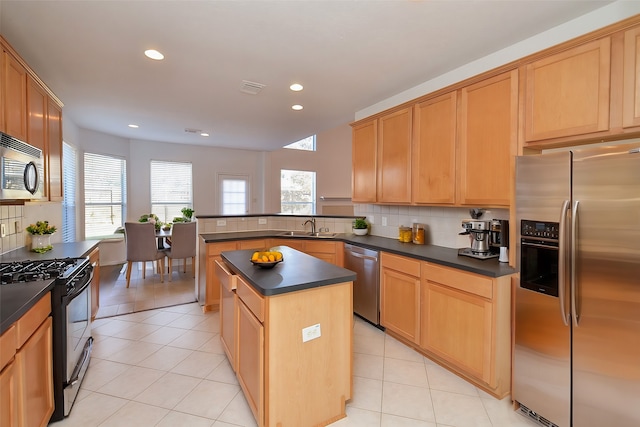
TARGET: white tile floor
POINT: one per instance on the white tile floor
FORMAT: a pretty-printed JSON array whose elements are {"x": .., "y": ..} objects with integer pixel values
[{"x": 166, "y": 367}]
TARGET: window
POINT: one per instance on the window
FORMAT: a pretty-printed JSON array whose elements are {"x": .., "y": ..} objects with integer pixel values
[
  {"x": 69, "y": 179},
  {"x": 171, "y": 189},
  {"x": 307, "y": 144},
  {"x": 297, "y": 192},
  {"x": 105, "y": 194},
  {"x": 234, "y": 191}
]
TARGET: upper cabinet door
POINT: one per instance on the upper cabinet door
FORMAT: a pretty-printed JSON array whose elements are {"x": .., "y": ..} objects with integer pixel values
[
  {"x": 14, "y": 93},
  {"x": 568, "y": 93},
  {"x": 54, "y": 151},
  {"x": 394, "y": 157},
  {"x": 363, "y": 158},
  {"x": 487, "y": 138},
  {"x": 631, "y": 92},
  {"x": 434, "y": 151}
]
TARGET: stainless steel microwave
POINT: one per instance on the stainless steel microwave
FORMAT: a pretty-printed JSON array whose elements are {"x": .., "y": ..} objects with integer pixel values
[{"x": 21, "y": 170}]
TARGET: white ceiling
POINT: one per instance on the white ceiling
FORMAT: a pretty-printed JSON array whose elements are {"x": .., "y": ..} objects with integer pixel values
[{"x": 348, "y": 55}]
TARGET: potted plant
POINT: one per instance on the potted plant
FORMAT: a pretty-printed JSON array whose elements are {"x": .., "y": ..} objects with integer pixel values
[
  {"x": 152, "y": 218},
  {"x": 41, "y": 233},
  {"x": 360, "y": 227},
  {"x": 187, "y": 213}
]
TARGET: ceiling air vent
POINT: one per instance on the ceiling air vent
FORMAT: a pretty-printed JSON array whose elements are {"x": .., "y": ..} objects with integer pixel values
[
  {"x": 187, "y": 130},
  {"x": 252, "y": 88}
]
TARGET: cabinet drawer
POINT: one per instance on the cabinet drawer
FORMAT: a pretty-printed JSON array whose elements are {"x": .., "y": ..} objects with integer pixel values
[
  {"x": 8, "y": 346},
  {"x": 27, "y": 324},
  {"x": 226, "y": 277},
  {"x": 320, "y": 247},
  {"x": 467, "y": 282},
  {"x": 399, "y": 263},
  {"x": 252, "y": 299},
  {"x": 218, "y": 248}
]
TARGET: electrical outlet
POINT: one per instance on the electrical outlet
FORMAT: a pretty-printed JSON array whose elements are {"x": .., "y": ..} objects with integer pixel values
[
  {"x": 3, "y": 230},
  {"x": 262, "y": 221},
  {"x": 18, "y": 226},
  {"x": 311, "y": 332},
  {"x": 221, "y": 222},
  {"x": 384, "y": 221}
]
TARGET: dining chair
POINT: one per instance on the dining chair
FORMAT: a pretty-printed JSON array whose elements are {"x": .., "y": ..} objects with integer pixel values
[
  {"x": 141, "y": 244},
  {"x": 183, "y": 245}
]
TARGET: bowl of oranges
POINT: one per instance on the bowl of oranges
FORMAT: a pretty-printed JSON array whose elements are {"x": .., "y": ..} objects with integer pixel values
[{"x": 266, "y": 259}]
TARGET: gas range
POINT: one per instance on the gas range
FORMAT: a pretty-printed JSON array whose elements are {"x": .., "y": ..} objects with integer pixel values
[{"x": 34, "y": 270}]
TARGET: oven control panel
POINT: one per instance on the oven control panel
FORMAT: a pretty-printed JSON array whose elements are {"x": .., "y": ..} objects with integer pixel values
[{"x": 545, "y": 230}]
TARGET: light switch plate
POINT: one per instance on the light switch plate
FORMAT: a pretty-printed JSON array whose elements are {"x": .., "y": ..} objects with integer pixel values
[
  {"x": 262, "y": 221},
  {"x": 3, "y": 230},
  {"x": 384, "y": 221},
  {"x": 18, "y": 226},
  {"x": 221, "y": 222},
  {"x": 311, "y": 332}
]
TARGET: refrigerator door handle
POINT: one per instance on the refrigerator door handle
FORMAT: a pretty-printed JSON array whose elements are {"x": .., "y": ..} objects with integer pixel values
[
  {"x": 574, "y": 231},
  {"x": 562, "y": 257}
]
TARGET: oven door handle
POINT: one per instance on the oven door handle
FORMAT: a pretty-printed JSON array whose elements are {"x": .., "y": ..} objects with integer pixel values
[{"x": 86, "y": 353}]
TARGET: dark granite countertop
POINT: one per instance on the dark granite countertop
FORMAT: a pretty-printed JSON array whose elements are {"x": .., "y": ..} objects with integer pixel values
[
  {"x": 297, "y": 271},
  {"x": 436, "y": 254},
  {"x": 16, "y": 299}
]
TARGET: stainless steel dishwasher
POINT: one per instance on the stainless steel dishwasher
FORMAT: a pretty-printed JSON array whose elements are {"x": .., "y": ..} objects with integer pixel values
[{"x": 366, "y": 287}]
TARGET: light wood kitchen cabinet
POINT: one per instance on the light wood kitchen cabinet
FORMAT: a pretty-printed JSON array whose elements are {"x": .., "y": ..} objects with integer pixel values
[
  {"x": 568, "y": 93},
  {"x": 364, "y": 161},
  {"x": 208, "y": 254},
  {"x": 228, "y": 312},
  {"x": 277, "y": 369},
  {"x": 631, "y": 83},
  {"x": 53, "y": 149},
  {"x": 8, "y": 379},
  {"x": 434, "y": 151},
  {"x": 14, "y": 96},
  {"x": 94, "y": 259},
  {"x": 465, "y": 322},
  {"x": 487, "y": 140},
  {"x": 250, "y": 361},
  {"x": 394, "y": 157},
  {"x": 329, "y": 251},
  {"x": 26, "y": 376},
  {"x": 400, "y": 295},
  {"x": 37, "y": 115}
]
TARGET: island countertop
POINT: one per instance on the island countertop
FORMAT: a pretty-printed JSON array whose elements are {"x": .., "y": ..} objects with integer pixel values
[{"x": 296, "y": 272}]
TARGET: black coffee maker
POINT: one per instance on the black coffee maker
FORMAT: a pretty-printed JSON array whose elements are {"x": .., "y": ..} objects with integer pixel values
[{"x": 499, "y": 239}]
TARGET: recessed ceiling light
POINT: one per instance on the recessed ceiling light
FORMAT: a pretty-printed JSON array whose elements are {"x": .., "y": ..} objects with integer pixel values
[
  {"x": 204, "y": 134},
  {"x": 296, "y": 87},
  {"x": 134, "y": 126},
  {"x": 297, "y": 107},
  {"x": 154, "y": 54}
]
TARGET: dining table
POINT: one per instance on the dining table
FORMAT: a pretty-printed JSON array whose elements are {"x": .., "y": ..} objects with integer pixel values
[{"x": 161, "y": 235}]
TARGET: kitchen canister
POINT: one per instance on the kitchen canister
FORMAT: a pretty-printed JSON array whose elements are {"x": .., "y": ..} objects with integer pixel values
[
  {"x": 418, "y": 234},
  {"x": 404, "y": 234}
]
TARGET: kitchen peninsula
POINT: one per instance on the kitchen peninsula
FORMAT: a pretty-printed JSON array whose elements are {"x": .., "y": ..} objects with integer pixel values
[{"x": 291, "y": 341}]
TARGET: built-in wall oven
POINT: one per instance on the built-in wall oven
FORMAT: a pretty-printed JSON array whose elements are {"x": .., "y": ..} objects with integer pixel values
[{"x": 71, "y": 319}]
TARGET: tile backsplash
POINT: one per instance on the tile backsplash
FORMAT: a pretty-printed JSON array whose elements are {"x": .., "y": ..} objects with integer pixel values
[
  {"x": 16, "y": 218},
  {"x": 442, "y": 224}
]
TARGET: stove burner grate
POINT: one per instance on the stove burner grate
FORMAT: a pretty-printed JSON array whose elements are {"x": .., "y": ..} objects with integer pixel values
[{"x": 29, "y": 271}]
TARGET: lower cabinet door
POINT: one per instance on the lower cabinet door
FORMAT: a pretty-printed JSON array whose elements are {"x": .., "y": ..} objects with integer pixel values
[
  {"x": 400, "y": 304},
  {"x": 457, "y": 326},
  {"x": 9, "y": 396},
  {"x": 251, "y": 360},
  {"x": 228, "y": 320},
  {"x": 35, "y": 363}
]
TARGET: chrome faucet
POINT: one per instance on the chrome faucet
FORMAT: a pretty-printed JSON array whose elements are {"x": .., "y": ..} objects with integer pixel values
[{"x": 313, "y": 224}]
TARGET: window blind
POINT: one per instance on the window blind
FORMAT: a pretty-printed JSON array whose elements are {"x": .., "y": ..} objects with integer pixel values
[
  {"x": 69, "y": 179},
  {"x": 105, "y": 194},
  {"x": 171, "y": 189}
]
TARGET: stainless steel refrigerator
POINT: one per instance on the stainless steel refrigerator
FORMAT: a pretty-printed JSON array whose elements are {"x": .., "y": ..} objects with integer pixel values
[{"x": 577, "y": 316}]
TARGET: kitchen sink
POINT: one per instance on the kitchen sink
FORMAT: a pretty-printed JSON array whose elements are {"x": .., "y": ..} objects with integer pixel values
[{"x": 325, "y": 235}]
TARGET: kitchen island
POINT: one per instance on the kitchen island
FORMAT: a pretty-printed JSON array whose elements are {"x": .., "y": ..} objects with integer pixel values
[{"x": 291, "y": 339}]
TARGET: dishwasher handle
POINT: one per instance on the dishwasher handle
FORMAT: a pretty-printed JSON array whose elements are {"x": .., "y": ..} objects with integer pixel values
[{"x": 358, "y": 252}]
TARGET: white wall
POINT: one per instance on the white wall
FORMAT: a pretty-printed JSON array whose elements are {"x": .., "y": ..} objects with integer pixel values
[
  {"x": 592, "y": 21},
  {"x": 331, "y": 161}
]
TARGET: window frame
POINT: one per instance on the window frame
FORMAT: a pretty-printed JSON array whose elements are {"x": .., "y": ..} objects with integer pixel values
[{"x": 165, "y": 216}]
